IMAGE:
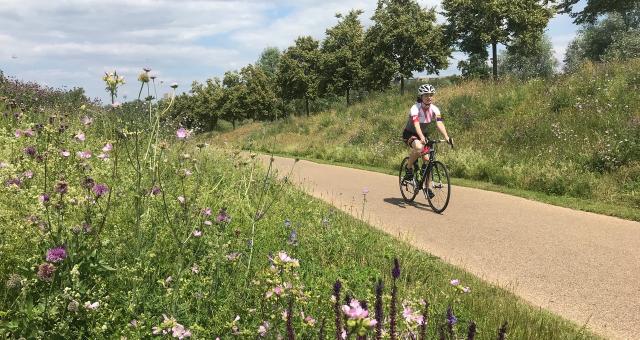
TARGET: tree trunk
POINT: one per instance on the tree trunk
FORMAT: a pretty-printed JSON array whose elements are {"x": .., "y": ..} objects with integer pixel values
[
  {"x": 306, "y": 105},
  {"x": 233, "y": 122},
  {"x": 494, "y": 47},
  {"x": 401, "y": 85},
  {"x": 348, "y": 97}
]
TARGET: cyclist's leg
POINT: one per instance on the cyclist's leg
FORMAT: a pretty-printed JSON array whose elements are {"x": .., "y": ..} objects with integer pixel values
[{"x": 416, "y": 149}]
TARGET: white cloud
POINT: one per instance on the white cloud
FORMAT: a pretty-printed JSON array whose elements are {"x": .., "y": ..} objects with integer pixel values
[{"x": 72, "y": 42}]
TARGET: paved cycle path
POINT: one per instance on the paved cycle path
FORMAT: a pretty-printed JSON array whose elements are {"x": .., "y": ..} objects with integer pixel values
[{"x": 583, "y": 266}]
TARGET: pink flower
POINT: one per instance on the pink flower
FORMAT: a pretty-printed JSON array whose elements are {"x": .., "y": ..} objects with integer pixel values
[
  {"x": 91, "y": 306},
  {"x": 466, "y": 289},
  {"x": 28, "y": 174},
  {"x": 103, "y": 156},
  {"x": 208, "y": 223},
  {"x": 86, "y": 120},
  {"x": 65, "y": 153},
  {"x": 278, "y": 290},
  {"x": 181, "y": 199},
  {"x": 80, "y": 137},
  {"x": 365, "y": 190},
  {"x": 262, "y": 330},
  {"x": 18, "y": 133},
  {"x": 195, "y": 269},
  {"x": 197, "y": 233},
  {"x": 455, "y": 282},
  {"x": 84, "y": 154},
  {"x": 116, "y": 104},
  {"x": 182, "y": 133},
  {"x": 206, "y": 212},
  {"x": 107, "y": 147},
  {"x": 28, "y": 132}
]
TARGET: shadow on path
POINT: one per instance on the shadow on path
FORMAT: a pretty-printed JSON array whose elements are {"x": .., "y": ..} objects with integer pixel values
[{"x": 400, "y": 202}]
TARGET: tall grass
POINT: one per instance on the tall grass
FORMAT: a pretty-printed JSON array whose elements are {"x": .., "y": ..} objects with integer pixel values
[
  {"x": 199, "y": 242},
  {"x": 575, "y": 135}
]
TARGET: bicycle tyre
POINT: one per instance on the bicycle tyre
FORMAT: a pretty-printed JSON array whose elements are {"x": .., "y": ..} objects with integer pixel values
[
  {"x": 441, "y": 187},
  {"x": 408, "y": 189}
]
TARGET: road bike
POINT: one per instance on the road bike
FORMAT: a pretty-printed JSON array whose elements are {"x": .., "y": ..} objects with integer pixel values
[{"x": 432, "y": 178}]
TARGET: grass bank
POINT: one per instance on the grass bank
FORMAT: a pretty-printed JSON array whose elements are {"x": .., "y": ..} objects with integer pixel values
[
  {"x": 107, "y": 233},
  {"x": 575, "y": 137}
]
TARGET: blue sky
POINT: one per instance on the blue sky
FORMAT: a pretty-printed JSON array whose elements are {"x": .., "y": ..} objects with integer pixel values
[{"x": 71, "y": 43}]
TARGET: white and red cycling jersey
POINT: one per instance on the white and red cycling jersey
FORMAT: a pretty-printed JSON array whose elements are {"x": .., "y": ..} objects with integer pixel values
[{"x": 423, "y": 114}]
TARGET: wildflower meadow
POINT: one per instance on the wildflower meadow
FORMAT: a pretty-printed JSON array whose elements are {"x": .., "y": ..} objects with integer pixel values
[{"x": 115, "y": 223}]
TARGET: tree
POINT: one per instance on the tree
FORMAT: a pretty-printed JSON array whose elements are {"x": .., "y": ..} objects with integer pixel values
[
  {"x": 596, "y": 8},
  {"x": 526, "y": 61},
  {"x": 298, "y": 70},
  {"x": 207, "y": 102},
  {"x": 403, "y": 39},
  {"x": 260, "y": 101},
  {"x": 474, "y": 23},
  {"x": 269, "y": 60},
  {"x": 592, "y": 41},
  {"x": 341, "y": 63},
  {"x": 235, "y": 94}
]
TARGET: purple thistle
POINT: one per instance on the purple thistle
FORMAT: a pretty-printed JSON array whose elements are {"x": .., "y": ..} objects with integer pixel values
[
  {"x": 223, "y": 217},
  {"x": 451, "y": 320},
  {"x": 31, "y": 151},
  {"x": 100, "y": 189},
  {"x": 425, "y": 318},
  {"x": 502, "y": 332},
  {"x": 44, "y": 198},
  {"x": 336, "y": 308},
  {"x": 45, "y": 272},
  {"x": 88, "y": 183},
  {"x": 62, "y": 187},
  {"x": 57, "y": 254},
  {"x": 379, "y": 309},
  {"x": 395, "y": 273},
  {"x": 13, "y": 181},
  {"x": 291, "y": 335},
  {"x": 472, "y": 331},
  {"x": 155, "y": 190}
]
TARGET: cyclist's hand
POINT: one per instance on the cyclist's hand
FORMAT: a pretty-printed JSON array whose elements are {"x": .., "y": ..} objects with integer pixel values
[
  {"x": 423, "y": 141},
  {"x": 450, "y": 141}
]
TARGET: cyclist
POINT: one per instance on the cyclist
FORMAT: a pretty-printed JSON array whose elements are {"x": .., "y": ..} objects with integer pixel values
[{"x": 422, "y": 113}]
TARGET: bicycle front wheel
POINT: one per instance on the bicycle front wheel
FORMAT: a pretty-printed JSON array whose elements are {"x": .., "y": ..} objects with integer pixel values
[
  {"x": 408, "y": 188},
  {"x": 440, "y": 187}
]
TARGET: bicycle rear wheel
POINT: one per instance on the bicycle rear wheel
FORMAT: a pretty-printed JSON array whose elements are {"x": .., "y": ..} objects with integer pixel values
[
  {"x": 440, "y": 186},
  {"x": 408, "y": 189}
]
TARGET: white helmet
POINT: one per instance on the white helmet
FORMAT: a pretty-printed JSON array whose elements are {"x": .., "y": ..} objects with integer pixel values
[{"x": 426, "y": 88}]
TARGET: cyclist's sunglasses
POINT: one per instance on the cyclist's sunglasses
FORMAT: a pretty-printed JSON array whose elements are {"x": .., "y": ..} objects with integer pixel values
[{"x": 429, "y": 94}]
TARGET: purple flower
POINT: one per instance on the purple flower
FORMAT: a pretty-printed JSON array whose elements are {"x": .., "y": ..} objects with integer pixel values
[
  {"x": 155, "y": 190},
  {"x": 182, "y": 133},
  {"x": 62, "y": 187},
  {"x": 13, "y": 181},
  {"x": 88, "y": 183},
  {"x": 455, "y": 282},
  {"x": 45, "y": 272},
  {"x": 223, "y": 217},
  {"x": 18, "y": 133},
  {"x": 107, "y": 147},
  {"x": 31, "y": 151},
  {"x": 206, "y": 212},
  {"x": 44, "y": 198},
  {"x": 56, "y": 254},
  {"x": 451, "y": 319},
  {"x": 100, "y": 189}
]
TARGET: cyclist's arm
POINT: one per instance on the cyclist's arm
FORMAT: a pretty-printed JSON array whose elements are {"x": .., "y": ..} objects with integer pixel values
[
  {"x": 440, "y": 124},
  {"x": 416, "y": 124}
]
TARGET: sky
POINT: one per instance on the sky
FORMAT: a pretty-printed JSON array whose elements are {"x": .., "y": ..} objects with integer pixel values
[{"x": 71, "y": 43}]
